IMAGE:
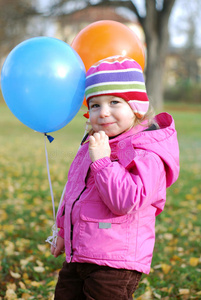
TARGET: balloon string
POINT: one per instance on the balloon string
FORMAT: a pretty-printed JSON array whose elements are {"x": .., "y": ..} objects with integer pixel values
[
  {"x": 52, "y": 239},
  {"x": 49, "y": 178}
]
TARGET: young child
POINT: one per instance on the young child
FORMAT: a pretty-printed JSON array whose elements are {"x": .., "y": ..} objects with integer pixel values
[{"x": 116, "y": 187}]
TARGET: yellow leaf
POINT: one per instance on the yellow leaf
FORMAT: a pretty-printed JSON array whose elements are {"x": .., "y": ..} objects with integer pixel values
[
  {"x": 15, "y": 275},
  {"x": 157, "y": 296},
  {"x": 3, "y": 215},
  {"x": 22, "y": 285},
  {"x": 25, "y": 276},
  {"x": 24, "y": 262},
  {"x": 42, "y": 248},
  {"x": 189, "y": 197},
  {"x": 20, "y": 221},
  {"x": 51, "y": 297},
  {"x": 166, "y": 268},
  {"x": 175, "y": 258},
  {"x": 157, "y": 266},
  {"x": 146, "y": 296},
  {"x": 184, "y": 291},
  {"x": 10, "y": 247},
  {"x": 168, "y": 236},
  {"x": 11, "y": 286},
  {"x": 47, "y": 253},
  {"x": 10, "y": 295},
  {"x": 8, "y": 228},
  {"x": 164, "y": 289},
  {"x": 33, "y": 214},
  {"x": 194, "y": 190},
  {"x": 51, "y": 283},
  {"x": 25, "y": 296},
  {"x": 2, "y": 235},
  {"x": 194, "y": 261},
  {"x": 39, "y": 263},
  {"x": 39, "y": 269},
  {"x": 27, "y": 281},
  {"x": 37, "y": 201},
  {"x": 35, "y": 283}
]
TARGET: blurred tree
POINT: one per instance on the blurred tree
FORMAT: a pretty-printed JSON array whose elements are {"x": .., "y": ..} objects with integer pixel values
[
  {"x": 153, "y": 17},
  {"x": 14, "y": 19},
  {"x": 188, "y": 25}
]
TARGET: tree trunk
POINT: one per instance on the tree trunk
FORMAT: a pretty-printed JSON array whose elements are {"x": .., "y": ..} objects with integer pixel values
[
  {"x": 155, "y": 26},
  {"x": 156, "y": 53},
  {"x": 154, "y": 82}
]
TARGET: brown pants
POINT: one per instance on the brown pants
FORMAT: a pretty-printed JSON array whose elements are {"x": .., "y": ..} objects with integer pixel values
[{"x": 83, "y": 281}]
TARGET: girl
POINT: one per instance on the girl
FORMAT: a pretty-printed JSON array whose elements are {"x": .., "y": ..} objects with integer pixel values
[{"x": 116, "y": 187}]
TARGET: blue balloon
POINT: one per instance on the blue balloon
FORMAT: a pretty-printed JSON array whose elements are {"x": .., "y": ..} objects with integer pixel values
[{"x": 43, "y": 83}]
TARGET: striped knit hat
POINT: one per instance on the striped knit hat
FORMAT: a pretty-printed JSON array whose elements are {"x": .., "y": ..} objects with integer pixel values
[{"x": 118, "y": 76}]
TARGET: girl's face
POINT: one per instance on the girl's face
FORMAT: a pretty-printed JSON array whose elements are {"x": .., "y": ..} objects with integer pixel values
[{"x": 111, "y": 114}]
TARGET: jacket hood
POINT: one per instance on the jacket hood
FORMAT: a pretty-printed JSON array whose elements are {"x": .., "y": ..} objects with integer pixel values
[{"x": 164, "y": 143}]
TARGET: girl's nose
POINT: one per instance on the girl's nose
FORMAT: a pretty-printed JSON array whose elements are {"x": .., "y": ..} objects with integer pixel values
[{"x": 104, "y": 111}]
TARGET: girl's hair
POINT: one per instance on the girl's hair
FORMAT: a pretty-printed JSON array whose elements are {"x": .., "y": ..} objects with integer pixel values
[{"x": 147, "y": 119}]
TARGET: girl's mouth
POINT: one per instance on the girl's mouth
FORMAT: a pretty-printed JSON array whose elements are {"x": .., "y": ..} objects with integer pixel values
[{"x": 106, "y": 124}]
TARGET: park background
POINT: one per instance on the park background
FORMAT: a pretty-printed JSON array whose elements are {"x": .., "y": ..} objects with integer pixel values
[{"x": 27, "y": 270}]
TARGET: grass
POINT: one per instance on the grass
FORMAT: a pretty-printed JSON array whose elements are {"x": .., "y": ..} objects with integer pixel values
[{"x": 28, "y": 271}]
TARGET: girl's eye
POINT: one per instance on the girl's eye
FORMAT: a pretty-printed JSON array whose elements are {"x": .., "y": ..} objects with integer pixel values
[
  {"x": 94, "y": 105},
  {"x": 114, "y": 102}
]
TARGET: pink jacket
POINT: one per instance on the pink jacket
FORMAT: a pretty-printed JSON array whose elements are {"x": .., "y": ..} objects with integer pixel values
[{"x": 109, "y": 208}]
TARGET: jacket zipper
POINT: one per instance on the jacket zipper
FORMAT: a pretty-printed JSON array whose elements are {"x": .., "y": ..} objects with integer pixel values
[{"x": 71, "y": 233}]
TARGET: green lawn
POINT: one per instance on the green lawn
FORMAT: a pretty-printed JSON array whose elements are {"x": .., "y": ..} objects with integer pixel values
[{"x": 28, "y": 271}]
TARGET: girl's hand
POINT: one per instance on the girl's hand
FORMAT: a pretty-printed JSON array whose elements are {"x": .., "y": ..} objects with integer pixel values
[
  {"x": 99, "y": 146},
  {"x": 59, "y": 247}
]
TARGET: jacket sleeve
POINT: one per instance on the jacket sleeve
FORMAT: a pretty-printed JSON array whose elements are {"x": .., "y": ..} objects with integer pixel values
[{"x": 125, "y": 190}]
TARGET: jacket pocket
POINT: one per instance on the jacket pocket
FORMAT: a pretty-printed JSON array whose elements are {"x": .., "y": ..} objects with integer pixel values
[{"x": 102, "y": 234}]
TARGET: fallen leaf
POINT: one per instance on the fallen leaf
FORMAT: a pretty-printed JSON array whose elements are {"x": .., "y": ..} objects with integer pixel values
[
  {"x": 165, "y": 268},
  {"x": 194, "y": 261},
  {"x": 42, "y": 248},
  {"x": 39, "y": 263},
  {"x": 184, "y": 291},
  {"x": 39, "y": 269},
  {"x": 10, "y": 295},
  {"x": 157, "y": 296},
  {"x": 189, "y": 197},
  {"x": 24, "y": 262},
  {"x": 9, "y": 247},
  {"x": 146, "y": 296},
  {"x": 157, "y": 266},
  {"x": 22, "y": 285},
  {"x": 36, "y": 284},
  {"x": 25, "y": 296},
  {"x": 3, "y": 215},
  {"x": 15, "y": 275},
  {"x": 168, "y": 236},
  {"x": 10, "y": 292},
  {"x": 51, "y": 283},
  {"x": 11, "y": 286}
]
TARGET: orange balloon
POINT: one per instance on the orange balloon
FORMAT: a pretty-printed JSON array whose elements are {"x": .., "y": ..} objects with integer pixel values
[{"x": 102, "y": 39}]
